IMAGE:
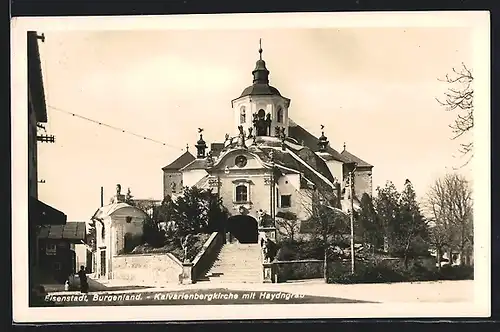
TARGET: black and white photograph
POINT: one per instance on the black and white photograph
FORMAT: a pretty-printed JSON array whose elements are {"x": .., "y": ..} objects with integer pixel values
[{"x": 251, "y": 166}]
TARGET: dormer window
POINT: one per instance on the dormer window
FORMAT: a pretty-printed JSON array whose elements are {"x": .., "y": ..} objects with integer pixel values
[
  {"x": 279, "y": 115},
  {"x": 243, "y": 115}
]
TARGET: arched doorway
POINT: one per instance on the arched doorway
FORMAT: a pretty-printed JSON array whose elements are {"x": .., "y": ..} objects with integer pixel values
[{"x": 243, "y": 228}]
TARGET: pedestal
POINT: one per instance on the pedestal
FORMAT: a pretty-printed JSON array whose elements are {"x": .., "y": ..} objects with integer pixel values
[
  {"x": 268, "y": 272},
  {"x": 186, "y": 277}
]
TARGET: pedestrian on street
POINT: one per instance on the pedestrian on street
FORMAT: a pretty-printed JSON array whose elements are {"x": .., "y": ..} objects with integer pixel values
[{"x": 84, "y": 285}]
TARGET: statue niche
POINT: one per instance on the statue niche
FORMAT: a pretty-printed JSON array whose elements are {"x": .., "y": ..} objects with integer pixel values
[{"x": 262, "y": 123}]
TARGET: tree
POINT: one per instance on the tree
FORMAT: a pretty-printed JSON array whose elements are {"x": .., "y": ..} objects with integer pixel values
[
  {"x": 288, "y": 225},
  {"x": 459, "y": 99},
  {"x": 450, "y": 203},
  {"x": 368, "y": 223},
  {"x": 412, "y": 229},
  {"x": 387, "y": 206},
  {"x": 327, "y": 223}
]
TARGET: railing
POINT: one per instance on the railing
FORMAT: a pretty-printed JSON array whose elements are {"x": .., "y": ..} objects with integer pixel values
[{"x": 207, "y": 255}]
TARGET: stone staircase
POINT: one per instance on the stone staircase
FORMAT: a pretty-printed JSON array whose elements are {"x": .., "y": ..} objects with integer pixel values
[{"x": 236, "y": 263}]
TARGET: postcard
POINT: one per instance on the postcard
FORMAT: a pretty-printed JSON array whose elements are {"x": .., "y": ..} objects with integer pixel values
[{"x": 260, "y": 166}]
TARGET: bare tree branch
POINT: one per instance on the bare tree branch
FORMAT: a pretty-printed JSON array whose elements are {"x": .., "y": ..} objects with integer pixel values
[
  {"x": 450, "y": 203},
  {"x": 459, "y": 98}
]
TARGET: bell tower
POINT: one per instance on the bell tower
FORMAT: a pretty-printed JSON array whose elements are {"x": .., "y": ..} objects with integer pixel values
[{"x": 261, "y": 109}]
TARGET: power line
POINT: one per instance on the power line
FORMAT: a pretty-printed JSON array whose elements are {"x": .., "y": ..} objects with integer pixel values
[{"x": 114, "y": 128}]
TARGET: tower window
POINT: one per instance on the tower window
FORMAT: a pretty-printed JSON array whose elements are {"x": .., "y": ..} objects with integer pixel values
[
  {"x": 243, "y": 115},
  {"x": 279, "y": 115},
  {"x": 241, "y": 193}
]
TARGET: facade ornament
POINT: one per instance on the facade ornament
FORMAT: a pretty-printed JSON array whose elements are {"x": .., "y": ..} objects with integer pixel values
[
  {"x": 268, "y": 123},
  {"x": 118, "y": 189},
  {"x": 271, "y": 155},
  {"x": 210, "y": 159},
  {"x": 250, "y": 129},
  {"x": 241, "y": 137},
  {"x": 226, "y": 137},
  {"x": 277, "y": 131}
]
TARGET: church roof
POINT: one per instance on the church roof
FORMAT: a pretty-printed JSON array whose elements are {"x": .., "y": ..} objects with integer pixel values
[
  {"x": 285, "y": 159},
  {"x": 259, "y": 89},
  {"x": 180, "y": 162},
  {"x": 303, "y": 136},
  {"x": 353, "y": 159},
  {"x": 195, "y": 164}
]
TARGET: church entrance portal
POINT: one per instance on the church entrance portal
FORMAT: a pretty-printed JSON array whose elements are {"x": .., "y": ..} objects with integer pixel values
[{"x": 243, "y": 228}]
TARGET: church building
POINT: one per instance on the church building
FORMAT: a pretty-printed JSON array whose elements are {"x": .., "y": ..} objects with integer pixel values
[{"x": 268, "y": 164}]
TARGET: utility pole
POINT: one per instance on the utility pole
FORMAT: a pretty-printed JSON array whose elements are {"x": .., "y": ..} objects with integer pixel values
[
  {"x": 351, "y": 184},
  {"x": 102, "y": 196}
]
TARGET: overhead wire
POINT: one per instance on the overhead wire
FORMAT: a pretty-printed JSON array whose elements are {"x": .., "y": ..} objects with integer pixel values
[{"x": 100, "y": 123}]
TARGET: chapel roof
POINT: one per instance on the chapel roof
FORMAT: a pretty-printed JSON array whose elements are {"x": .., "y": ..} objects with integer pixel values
[
  {"x": 108, "y": 210},
  {"x": 180, "y": 162}
]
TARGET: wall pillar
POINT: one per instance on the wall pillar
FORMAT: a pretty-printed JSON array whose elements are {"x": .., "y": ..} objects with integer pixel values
[{"x": 186, "y": 277}]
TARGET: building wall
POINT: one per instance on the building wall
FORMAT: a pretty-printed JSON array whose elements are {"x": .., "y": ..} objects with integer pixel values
[
  {"x": 81, "y": 256},
  {"x": 259, "y": 193},
  {"x": 336, "y": 168},
  {"x": 191, "y": 177},
  {"x": 32, "y": 152},
  {"x": 121, "y": 227},
  {"x": 300, "y": 198},
  {"x": 363, "y": 182},
  {"x": 63, "y": 257},
  {"x": 170, "y": 177},
  {"x": 148, "y": 269}
]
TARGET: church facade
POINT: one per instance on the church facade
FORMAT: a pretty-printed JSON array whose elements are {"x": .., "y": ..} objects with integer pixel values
[{"x": 269, "y": 164}]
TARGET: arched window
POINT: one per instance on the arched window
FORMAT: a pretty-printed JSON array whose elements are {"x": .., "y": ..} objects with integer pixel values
[
  {"x": 279, "y": 115},
  {"x": 241, "y": 193},
  {"x": 243, "y": 115}
]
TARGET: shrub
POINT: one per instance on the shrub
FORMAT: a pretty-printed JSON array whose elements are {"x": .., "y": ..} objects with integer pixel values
[
  {"x": 299, "y": 249},
  {"x": 297, "y": 271},
  {"x": 460, "y": 272},
  {"x": 365, "y": 272}
]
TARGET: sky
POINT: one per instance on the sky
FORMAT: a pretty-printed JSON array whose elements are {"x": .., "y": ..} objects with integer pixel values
[{"x": 372, "y": 88}]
